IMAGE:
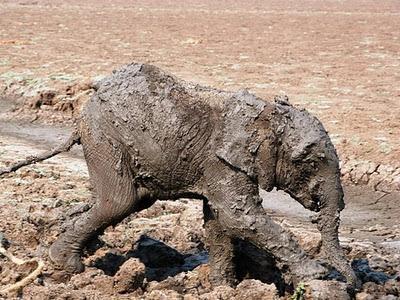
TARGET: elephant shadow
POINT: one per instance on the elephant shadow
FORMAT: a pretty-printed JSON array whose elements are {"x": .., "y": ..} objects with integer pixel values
[
  {"x": 252, "y": 262},
  {"x": 162, "y": 261},
  {"x": 255, "y": 263}
]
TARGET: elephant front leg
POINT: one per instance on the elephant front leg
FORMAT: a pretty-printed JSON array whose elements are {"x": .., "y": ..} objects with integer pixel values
[
  {"x": 255, "y": 226},
  {"x": 239, "y": 211},
  {"x": 220, "y": 249}
]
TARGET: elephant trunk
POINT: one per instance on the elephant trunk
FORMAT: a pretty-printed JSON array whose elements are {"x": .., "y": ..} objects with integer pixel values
[{"x": 328, "y": 220}]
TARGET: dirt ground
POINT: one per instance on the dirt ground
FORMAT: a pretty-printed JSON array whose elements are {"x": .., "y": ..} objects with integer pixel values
[{"x": 338, "y": 59}]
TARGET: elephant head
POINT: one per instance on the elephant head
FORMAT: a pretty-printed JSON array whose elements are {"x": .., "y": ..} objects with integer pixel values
[
  {"x": 307, "y": 168},
  {"x": 289, "y": 149}
]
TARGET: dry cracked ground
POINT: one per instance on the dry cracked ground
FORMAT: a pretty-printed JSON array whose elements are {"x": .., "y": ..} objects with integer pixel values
[{"x": 338, "y": 59}]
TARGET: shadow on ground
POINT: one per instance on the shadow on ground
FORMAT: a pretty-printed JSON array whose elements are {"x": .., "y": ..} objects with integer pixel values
[{"x": 163, "y": 261}]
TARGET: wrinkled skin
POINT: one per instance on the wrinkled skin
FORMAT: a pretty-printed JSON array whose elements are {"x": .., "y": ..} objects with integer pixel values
[{"x": 147, "y": 136}]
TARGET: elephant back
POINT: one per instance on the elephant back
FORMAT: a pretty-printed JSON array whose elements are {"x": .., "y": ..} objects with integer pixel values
[{"x": 158, "y": 119}]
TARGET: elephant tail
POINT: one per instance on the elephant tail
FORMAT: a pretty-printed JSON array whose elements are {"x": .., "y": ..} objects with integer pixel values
[{"x": 72, "y": 140}]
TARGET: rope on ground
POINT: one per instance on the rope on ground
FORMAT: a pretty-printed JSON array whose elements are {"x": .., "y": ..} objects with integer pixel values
[{"x": 25, "y": 281}]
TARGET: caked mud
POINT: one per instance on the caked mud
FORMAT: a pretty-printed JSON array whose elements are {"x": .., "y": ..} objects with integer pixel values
[
  {"x": 42, "y": 197},
  {"x": 35, "y": 202},
  {"x": 148, "y": 135}
]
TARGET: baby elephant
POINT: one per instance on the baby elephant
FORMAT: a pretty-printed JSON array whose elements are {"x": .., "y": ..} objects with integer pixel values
[{"x": 148, "y": 136}]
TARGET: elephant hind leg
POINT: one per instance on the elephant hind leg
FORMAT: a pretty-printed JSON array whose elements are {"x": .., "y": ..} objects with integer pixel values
[{"x": 116, "y": 198}]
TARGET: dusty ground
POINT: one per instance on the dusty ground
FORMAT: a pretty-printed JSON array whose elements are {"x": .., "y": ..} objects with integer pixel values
[{"x": 339, "y": 59}]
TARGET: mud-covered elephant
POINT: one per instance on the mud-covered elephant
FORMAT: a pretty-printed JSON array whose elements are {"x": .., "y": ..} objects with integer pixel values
[{"x": 147, "y": 135}]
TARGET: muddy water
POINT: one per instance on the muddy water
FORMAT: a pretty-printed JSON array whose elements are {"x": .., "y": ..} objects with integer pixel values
[
  {"x": 40, "y": 135},
  {"x": 368, "y": 216}
]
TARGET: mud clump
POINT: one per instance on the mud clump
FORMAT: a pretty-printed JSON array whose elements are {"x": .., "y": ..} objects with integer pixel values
[
  {"x": 255, "y": 289},
  {"x": 130, "y": 276},
  {"x": 51, "y": 102},
  {"x": 92, "y": 279},
  {"x": 318, "y": 289}
]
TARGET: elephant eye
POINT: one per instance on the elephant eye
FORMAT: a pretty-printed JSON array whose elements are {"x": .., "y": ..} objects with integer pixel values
[{"x": 303, "y": 153}]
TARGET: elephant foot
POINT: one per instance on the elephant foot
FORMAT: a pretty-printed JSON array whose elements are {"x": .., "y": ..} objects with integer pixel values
[
  {"x": 354, "y": 282},
  {"x": 308, "y": 270},
  {"x": 64, "y": 256},
  {"x": 218, "y": 280}
]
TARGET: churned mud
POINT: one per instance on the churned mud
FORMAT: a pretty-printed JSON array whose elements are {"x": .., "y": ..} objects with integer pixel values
[
  {"x": 159, "y": 253},
  {"x": 338, "y": 59}
]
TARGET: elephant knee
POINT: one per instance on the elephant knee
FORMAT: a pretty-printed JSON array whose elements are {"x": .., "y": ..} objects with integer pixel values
[{"x": 238, "y": 222}]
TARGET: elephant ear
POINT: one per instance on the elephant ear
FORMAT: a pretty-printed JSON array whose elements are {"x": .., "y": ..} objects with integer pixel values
[{"x": 240, "y": 140}]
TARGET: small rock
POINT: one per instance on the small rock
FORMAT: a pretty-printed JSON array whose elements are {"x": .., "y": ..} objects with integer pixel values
[
  {"x": 130, "y": 276},
  {"x": 163, "y": 295},
  {"x": 251, "y": 289},
  {"x": 360, "y": 172},
  {"x": 364, "y": 296},
  {"x": 185, "y": 282},
  {"x": 175, "y": 283},
  {"x": 385, "y": 170},
  {"x": 392, "y": 287},
  {"x": 80, "y": 281},
  {"x": 104, "y": 283},
  {"x": 373, "y": 289},
  {"x": 203, "y": 273},
  {"x": 222, "y": 292},
  {"x": 321, "y": 290}
]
